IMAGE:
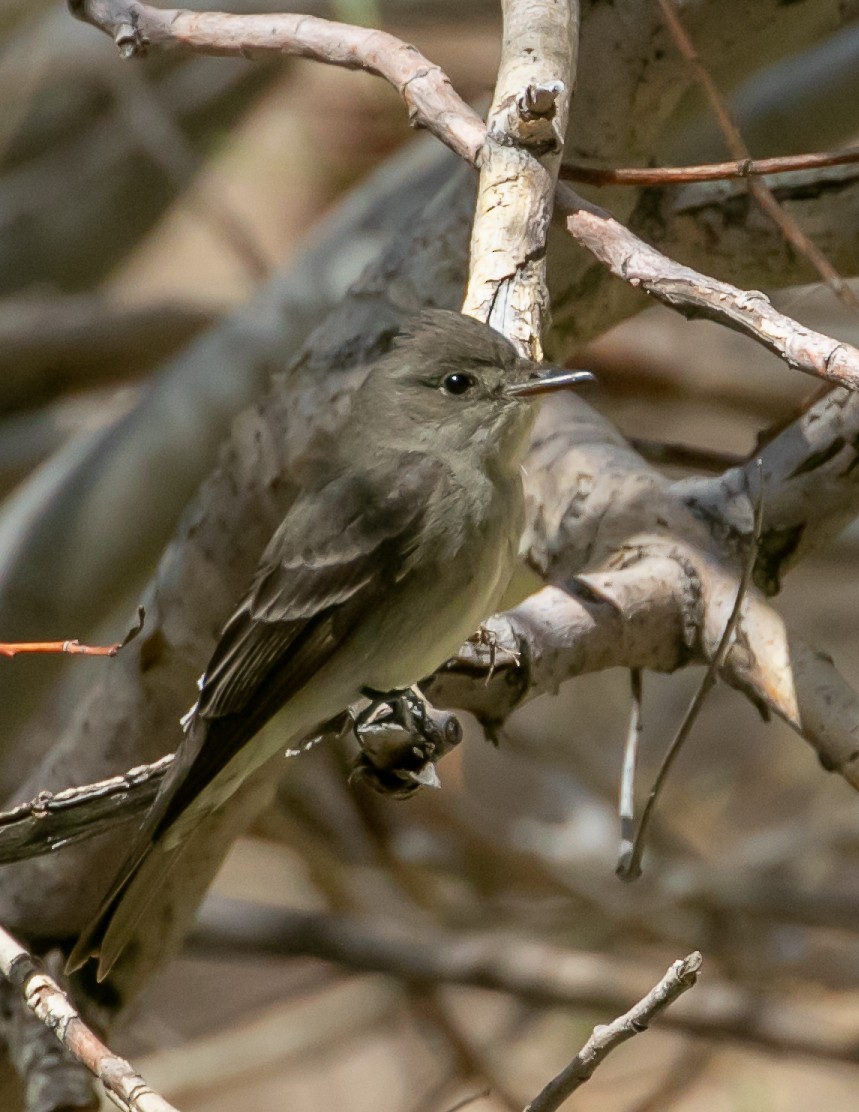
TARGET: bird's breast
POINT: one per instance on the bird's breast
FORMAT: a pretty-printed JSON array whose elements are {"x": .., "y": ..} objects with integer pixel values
[{"x": 468, "y": 556}]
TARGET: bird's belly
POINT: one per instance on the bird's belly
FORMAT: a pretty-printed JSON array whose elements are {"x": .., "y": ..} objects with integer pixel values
[
  {"x": 420, "y": 622},
  {"x": 433, "y": 618}
]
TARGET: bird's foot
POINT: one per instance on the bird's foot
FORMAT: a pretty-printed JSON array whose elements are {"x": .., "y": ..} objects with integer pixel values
[{"x": 401, "y": 737}]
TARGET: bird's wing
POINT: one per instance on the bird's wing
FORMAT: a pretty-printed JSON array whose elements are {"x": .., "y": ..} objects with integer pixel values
[{"x": 331, "y": 560}]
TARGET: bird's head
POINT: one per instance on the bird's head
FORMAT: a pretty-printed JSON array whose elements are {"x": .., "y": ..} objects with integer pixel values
[{"x": 452, "y": 383}]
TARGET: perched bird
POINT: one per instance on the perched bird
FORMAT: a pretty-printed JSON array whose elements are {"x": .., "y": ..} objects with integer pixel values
[{"x": 402, "y": 539}]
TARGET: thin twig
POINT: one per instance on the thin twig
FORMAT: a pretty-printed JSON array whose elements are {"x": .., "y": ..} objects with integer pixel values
[
  {"x": 759, "y": 190},
  {"x": 626, "y": 804},
  {"x": 137, "y": 28},
  {"x": 73, "y": 648},
  {"x": 707, "y": 171},
  {"x": 434, "y": 104},
  {"x": 681, "y": 976},
  {"x": 629, "y": 865},
  {"x": 55, "y": 819},
  {"x": 697, "y": 295},
  {"x": 44, "y": 997}
]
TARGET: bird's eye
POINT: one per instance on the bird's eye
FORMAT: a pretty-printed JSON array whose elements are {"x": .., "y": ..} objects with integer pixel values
[{"x": 458, "y": 383}]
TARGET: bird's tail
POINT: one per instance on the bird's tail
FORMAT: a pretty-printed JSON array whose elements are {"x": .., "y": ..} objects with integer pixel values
[
  {"x": 145, "y": 874},
  {"x": 157, "y": 891}
]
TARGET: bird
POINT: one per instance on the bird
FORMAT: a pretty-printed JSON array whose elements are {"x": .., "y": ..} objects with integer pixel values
[{"x": 401, "y": 541}]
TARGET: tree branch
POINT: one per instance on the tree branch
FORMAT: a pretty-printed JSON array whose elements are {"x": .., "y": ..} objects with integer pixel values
[
  {"x": 242, "y": 502},
  {"x": 680, "y": 977},
  {"x": 696, "y": 295},
  {"x": 430, "y": 99},
  {"x": 759, "y": 189},
  {"x": 55, "y": 819},
  {"x": 47, "y": 1001},
  {"x": 709, "y": 171},
  {"x": 519, "y": 166}
]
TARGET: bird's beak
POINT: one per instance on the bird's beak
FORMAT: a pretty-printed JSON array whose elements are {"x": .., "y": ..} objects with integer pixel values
[{"x": 547, "y": 383}]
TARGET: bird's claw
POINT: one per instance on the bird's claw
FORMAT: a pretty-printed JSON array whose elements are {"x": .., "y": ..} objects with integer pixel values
[{"x": 401, "y": 737}]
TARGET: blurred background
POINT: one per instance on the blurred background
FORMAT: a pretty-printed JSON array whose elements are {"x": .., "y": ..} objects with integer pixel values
[{"x": 145, "y": 209}]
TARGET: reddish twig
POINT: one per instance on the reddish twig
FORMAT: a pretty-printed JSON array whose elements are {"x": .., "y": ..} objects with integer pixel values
[
  {"x": 759, "y": 190},
  {"x": 707, "y": 171},
  {"x": 74, "y": 647}
]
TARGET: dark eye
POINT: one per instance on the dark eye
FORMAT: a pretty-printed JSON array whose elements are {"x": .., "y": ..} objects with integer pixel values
[{"x": 458, "y": 383}]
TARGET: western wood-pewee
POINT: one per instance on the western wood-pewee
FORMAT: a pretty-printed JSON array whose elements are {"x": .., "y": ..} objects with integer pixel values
[{"x": 402, "y": 540}]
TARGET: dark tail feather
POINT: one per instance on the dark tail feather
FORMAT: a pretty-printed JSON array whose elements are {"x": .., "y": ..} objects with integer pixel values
[
  {"x": 126, "y": 903},
  {"x": 203, "y": 754}
]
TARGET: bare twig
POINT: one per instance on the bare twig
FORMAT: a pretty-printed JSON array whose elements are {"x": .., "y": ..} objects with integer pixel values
[
  {"x": 681, "y": 976},
  {"x": 73, "y": 648},
  {"x": 629, "y": 863},
  {"x": 434, "y": 104},
  {"x": 697, "y": 295},
  {"x": 761, "y": 192},
  {"x": 626, "y": 804},
  {"x": 51, "y": 1078},
  {"x": 55, "y": 819},
  {"x": 44, "y": 997},
  {"x": 431, "y": 101},
  {"x": 708, "y": 171}
]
